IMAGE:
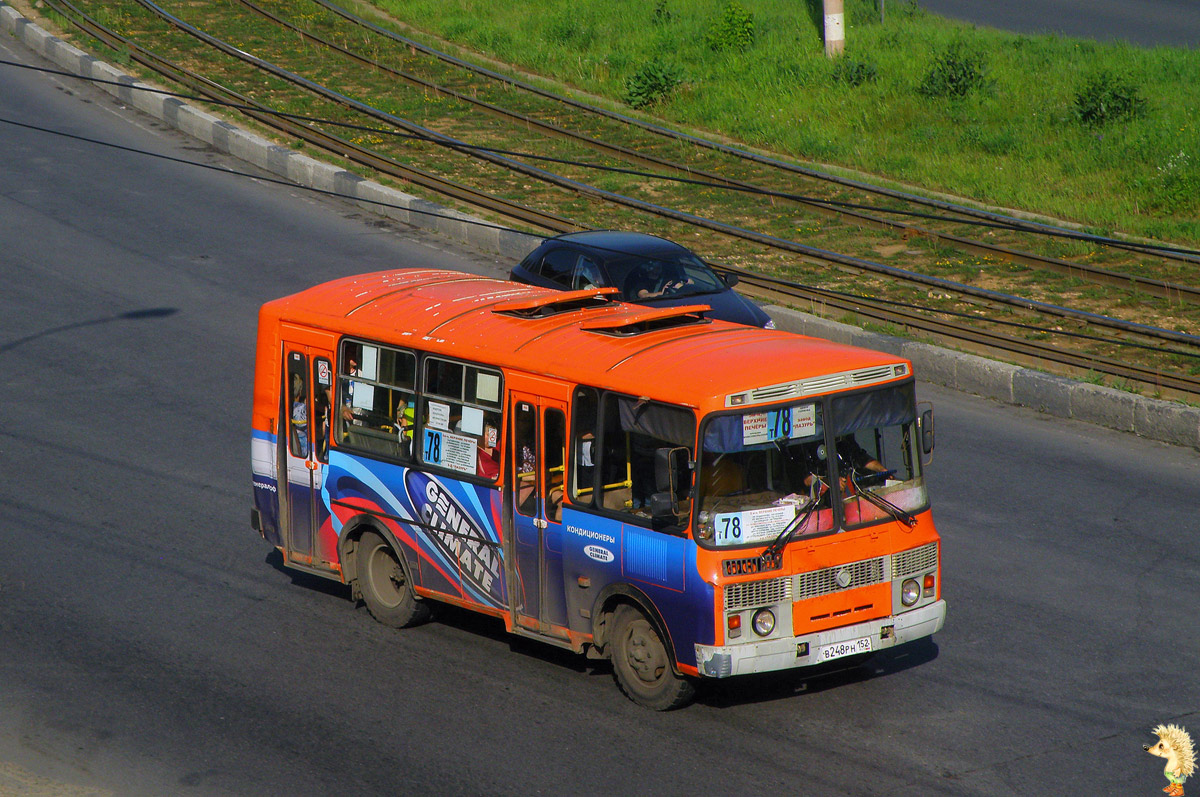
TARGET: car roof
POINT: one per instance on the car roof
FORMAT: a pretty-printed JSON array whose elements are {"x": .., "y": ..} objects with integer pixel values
[{"x": 615, "y": 243}]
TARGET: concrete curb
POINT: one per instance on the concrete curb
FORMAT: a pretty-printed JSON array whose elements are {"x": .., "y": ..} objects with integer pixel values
[{"x": 1053, "y": 395}]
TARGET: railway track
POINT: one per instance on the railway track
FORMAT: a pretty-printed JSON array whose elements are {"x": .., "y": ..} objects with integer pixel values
[
  {"x": 993, "y": 219},
  {"x": 1149, "y": 285},
  {"x": 1115, "y": 332}
]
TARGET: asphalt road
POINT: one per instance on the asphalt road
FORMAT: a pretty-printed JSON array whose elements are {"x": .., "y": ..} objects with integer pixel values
[
  {"x": 150, "y": 644},
  {"x": 1149, "y": 23}
]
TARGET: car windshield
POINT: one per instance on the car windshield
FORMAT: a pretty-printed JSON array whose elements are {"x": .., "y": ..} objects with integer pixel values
[
  {"x": 765, "y": 469},
  {"x": 650, "y": 278}
]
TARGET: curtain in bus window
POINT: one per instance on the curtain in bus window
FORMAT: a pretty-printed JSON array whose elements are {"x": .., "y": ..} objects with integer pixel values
[
  {"x": 874, "y": 409},
  {"x": 726, "y": 434},
  {"x": 670, "y": 424}
]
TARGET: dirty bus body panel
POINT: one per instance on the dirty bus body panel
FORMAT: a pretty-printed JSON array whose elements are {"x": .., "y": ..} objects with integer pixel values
[{"x": 690, "y": 498}]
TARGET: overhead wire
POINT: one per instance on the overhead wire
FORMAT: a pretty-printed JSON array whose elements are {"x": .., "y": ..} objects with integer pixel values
[
  {"x": 489, "y": 225},
  {"x": 481, "y": 223}
]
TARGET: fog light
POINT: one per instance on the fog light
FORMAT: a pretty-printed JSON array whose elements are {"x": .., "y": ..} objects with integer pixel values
[
  {"x": 764, "y": 622},
  {"x": 910, "y": 592}
]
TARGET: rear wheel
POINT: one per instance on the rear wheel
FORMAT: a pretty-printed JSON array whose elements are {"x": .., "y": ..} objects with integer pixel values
[
  {"x": 642, "y": 666},
  {"x": 384, "y": 585}
]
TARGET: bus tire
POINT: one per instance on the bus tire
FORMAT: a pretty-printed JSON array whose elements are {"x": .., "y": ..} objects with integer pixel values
[
  {"x": 384, "y": 584},
  {"x": 641, "y": 664}
]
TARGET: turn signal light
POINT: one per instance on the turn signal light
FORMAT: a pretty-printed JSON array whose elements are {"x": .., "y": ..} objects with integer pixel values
[
  {"x": 735, "y": 626},
  {"x": 928, "y": 586}
]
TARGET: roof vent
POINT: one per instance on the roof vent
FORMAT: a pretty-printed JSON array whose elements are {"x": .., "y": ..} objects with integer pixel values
[
  {"x": 643, "y": 320},
  {"x": 558, "y": 302}
]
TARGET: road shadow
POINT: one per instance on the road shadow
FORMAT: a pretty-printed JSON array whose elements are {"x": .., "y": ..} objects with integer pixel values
[
  {"x": 493, "y": 628},
  {"x": 725, "y": 693},
  {"x": 785, "y": 684},
  {"x": 150, "y": 313},
  {"x": 471, "y": 622},
  {"x": 308, "y": 580}
]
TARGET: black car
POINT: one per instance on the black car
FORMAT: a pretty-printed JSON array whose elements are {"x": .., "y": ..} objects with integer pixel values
[{"x": 646, "y": 269}]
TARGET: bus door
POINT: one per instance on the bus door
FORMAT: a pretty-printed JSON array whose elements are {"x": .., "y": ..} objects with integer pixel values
[
  {"x": 535, "y": 460},
  {"x": 304, "y": 443}
]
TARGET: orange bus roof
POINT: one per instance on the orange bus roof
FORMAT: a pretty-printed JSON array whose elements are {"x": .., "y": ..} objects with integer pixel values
[{"x": 472, "y": 318}]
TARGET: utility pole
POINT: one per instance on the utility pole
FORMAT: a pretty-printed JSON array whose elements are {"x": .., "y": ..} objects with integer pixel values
[{"x": 835, "y": 28}]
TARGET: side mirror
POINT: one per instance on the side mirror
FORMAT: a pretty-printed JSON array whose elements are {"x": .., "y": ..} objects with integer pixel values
[
  {"x": 926, "y": 424},
  {"x": 730, "y": 278},
  {"x": 668, "y": 463}
]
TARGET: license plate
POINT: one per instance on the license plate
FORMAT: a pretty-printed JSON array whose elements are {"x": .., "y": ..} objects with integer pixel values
[{"x": 848, "y": 648}]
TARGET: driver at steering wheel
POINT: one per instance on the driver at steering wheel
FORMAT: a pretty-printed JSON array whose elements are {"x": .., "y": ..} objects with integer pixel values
[{"x": 851, "y": 457}]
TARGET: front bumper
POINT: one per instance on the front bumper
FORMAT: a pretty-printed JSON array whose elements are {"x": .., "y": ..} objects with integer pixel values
[{"x": 722, "y": 661}]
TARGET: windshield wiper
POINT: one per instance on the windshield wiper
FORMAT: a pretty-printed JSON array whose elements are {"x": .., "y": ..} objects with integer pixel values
[
  {"x": 773, "y": 550},
  {"x": 882, "y": 503}
]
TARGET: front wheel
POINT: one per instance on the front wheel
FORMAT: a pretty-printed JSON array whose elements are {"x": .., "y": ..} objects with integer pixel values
[
  {"x": 384, "y": 585},
  {"x": 642, "y": 666}
]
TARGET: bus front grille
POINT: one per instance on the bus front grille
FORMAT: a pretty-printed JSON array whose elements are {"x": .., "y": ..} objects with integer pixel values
[
  {"x": 839, "y": 577},
  {"x": 751, "y": 594},
  {"x": 915, "y": 561}
]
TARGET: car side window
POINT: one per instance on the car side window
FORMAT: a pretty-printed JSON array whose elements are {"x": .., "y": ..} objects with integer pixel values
[
  {"x": 559, "y": 265},
  {"x": 587, "y": 274}
]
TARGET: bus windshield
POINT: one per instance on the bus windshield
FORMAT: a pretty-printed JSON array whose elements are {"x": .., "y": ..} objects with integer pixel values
[{"x": 766, "y": 469}]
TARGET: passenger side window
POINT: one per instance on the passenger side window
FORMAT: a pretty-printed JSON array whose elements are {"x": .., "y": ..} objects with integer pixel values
[
  {"x": 375, "y": 408},
  {"x": 322, "y": 405},
  {"x": 525, "y": 463},
  {"x": 583, "y": 446},
  {"x": 554, "y": 461},
  {"x": 460, "y": 418},
  {"x": 297, "y": 380},
  {"x": 632, "y": 431}
]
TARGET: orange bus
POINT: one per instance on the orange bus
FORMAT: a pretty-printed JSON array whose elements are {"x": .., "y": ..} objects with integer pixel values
[{"x": 686, "y": 497}]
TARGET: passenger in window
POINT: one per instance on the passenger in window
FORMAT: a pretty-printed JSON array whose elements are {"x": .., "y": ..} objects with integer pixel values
[
  {"x": 321, "y": 413},
  {"x": 299, "y": 418},
  {"x": 487, "y": 460},
  {"x": 405, "y": 419},
  {"x": 486, "y": 465},
  {"x": 352, "y": 369},
  {"x": 641, "y": 467},
  {"x": 587, "y": 465},
  {"x": 652, "y": 280},
  {"x": 526, "y": 477}
]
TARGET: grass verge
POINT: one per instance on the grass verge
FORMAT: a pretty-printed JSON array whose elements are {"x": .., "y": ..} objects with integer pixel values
[{"x": 1104, "y": 134}]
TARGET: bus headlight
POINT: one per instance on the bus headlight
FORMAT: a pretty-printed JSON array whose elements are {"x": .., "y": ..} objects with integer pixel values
[
  {"x": 764, "y": 622},
  {"x": 910, "y": 591}
]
